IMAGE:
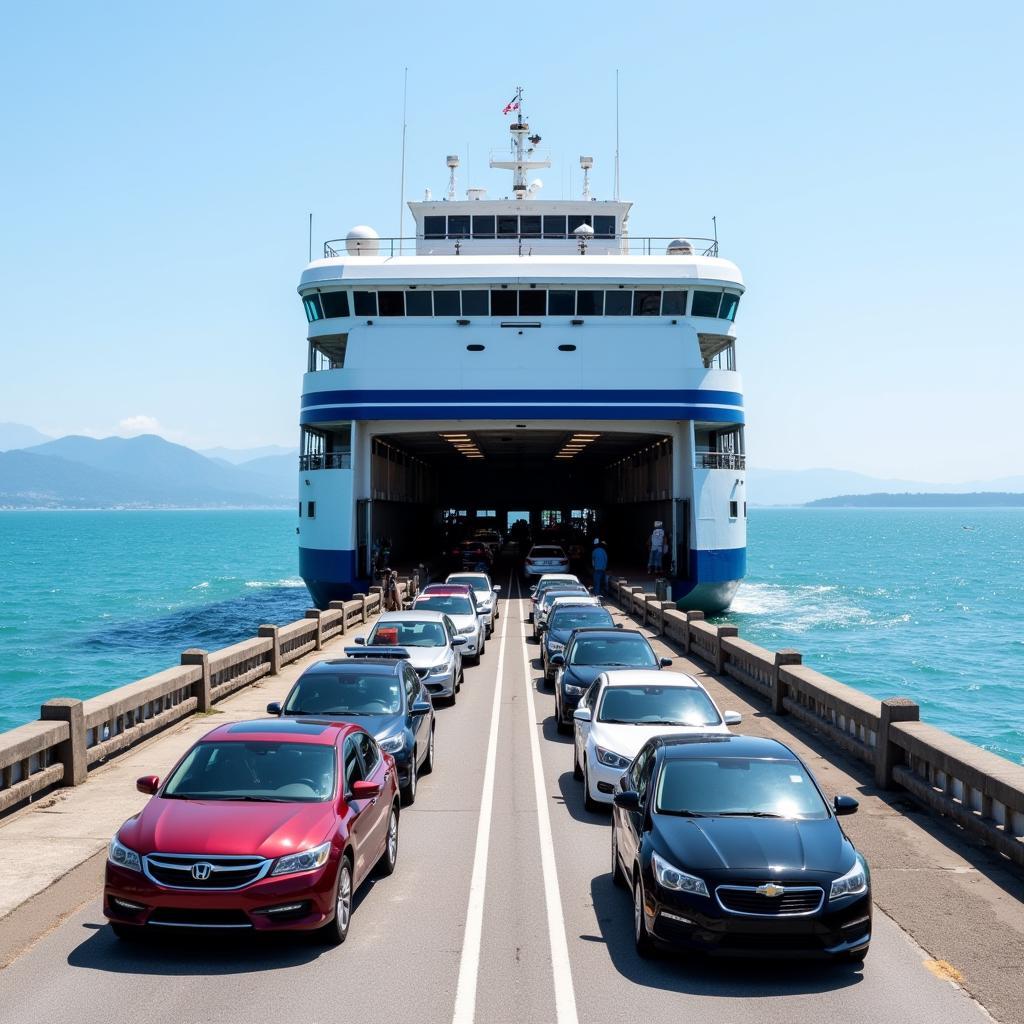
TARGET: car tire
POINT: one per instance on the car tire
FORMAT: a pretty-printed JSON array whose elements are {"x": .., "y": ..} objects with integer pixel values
[
  {"x": 618, "y": 875},
  {"x": 857, "y": 956},
  {"x": 125, "y": 932},
  {"x": 459, "y": 682},
  {"x": 389, "y": 858},
  {"x": 641, "y": 936},
  {"x": 577, "y": 772},
  {"x": 588, "y": 801},
  {"x": 428, "y": 761},
  {"x": 408, "y": 791},
  {"x": 335, "y": 932}
]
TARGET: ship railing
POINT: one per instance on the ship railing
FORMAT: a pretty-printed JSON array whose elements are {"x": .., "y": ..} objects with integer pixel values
[
  {"x": 523, "y": 245},
  {"x": 331, "y": 460},
  {"x": 721, "y": 460}
]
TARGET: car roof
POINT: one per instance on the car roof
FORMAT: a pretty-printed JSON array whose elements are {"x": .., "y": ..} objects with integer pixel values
[
  {"x": 364, "y": 666},
  {"x": 423, "y": 615},
  {"x": 725, "y": 745},
  {"x": 466, "y": 575},
  {"x": 642, "y": 677},
  {"x": 291, "y": 730},
  {"x": 606, "y": 631},
  {"x": 557, "y": 577},
  {"x": 446, "y": 588}
]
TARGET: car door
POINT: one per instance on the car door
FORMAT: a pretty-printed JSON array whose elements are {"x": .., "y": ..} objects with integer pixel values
[
  {"x": 451, "y": 632},
  {"x": 582, "y": 729},
  {"x": 362, "y": 821},
  {"x": 630, "y": 823},
  {"x": 375, "y": 769},
  {"x": 415, "y": 722}
]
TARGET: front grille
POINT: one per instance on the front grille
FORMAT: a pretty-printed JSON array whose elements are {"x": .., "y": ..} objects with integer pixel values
[
  {"x": 185, "y": 917},
  {"x": 792, "y": 901},
  {"x": 175, "y": 870}
]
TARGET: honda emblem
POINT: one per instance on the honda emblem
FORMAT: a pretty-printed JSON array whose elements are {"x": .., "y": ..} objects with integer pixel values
[{"x": 201, "y": 871}]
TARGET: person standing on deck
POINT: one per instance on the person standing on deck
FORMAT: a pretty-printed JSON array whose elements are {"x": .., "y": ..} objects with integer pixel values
[
  {"x": 599, "y": 565},
  {"x": 655, "y": 547}
]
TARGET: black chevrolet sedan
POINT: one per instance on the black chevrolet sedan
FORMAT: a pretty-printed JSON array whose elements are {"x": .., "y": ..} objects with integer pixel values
[
  {"x": 730, "y": 847},
  {"x": 377, "y": 688}
]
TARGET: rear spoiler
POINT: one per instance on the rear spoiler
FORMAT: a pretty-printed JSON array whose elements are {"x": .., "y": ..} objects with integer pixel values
[{"x": 388, "y": 652}]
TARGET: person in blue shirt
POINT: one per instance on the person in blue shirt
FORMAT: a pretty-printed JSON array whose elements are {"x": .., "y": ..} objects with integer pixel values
[{"x": 599, "y": 563}]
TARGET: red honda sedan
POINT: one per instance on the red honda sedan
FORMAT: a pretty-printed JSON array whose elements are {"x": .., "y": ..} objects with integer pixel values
[{"x": 268, "y": 826}]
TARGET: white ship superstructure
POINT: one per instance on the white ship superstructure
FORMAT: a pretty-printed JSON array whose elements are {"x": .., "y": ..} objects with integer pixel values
[{"x": 522, "y": 358}]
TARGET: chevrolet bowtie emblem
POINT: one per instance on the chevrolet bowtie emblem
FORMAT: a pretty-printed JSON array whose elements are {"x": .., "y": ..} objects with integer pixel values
[{"x": 770, "y": 889}]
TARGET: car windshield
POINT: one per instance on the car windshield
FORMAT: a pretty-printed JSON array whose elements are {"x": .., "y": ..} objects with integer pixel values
[
  {"x": 450, "y": 604},
  {"x": 565, "y": 619},
  {"x": 546, "y": 585},
  {"x": 613, "y": 652},
  {"x": 267, "y": 770},
  {"x": 409, "y": 634},
  {"x": 551, "y": 594},
  {"x": 738, "y": 787},
  {"x": 547, "y": 553},
  {"x": 320, "y": 693},
  {"x": 657, "y": 705},
  {"x": 481, "y": 586}
]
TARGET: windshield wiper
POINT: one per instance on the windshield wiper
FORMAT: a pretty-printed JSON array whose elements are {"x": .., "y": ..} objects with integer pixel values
[
  {"x": 228, "y": 796},
  {"x": 748, "y": 814},
  {"x": 683, "y": 813}
]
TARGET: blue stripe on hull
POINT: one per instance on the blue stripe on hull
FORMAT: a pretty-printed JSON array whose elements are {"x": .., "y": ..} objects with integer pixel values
[
  {"x": 715, "y": 575},
  {"x": 329, "y": 575},
  {"x": 708, "y": 414}
]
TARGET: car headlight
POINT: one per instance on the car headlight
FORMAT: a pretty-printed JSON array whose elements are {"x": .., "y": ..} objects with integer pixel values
[
  {"x": 119, "y": 854},
  {"x": 305, "y": 861},
  {"x": 554, "y": 647},
  {"x": 853, "y": 883},
  {"x": 393, "y": 744},
  {"x": 574, "y": 691},
  {"x": 670, "y": 877},
  {"x": 610, "y": 759},
  {"x": 467, "y": 630},
  {"x": 439, "y": 670}
]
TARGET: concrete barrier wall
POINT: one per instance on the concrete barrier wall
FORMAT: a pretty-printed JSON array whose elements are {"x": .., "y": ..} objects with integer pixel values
[
  {"x": 73, "y": 737},
  {"x": 981, "y": 792}
]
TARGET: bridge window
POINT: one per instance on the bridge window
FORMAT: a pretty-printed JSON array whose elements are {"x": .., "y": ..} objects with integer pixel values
[
  {"x": 646, "y": 303},
  {"x": 483, "y": 226},
  {"x": 705, "y": 303},
  {"x": 391, "y": 303},
  {"x": 508, "y": 227},
  {"x": 458, "y": 226},
  {"x": 311, "y": 304},
  {"x": 503, "y": 303},
  {"x": 589, "y": 303},
  {"x": 673, "y": 303},
  {"x": 577, "y": 220},
  {"x": 327, "y": 352},
  {"x": 561, "y": 303},
  {"x": 617, "y": 303},
  {"x": 529, "y": 227},
  {"x": 533, "y": 302},
  {"x": 475, "y": 303},
  {"x": 418, "y": 304},
  {"x": 434, "y": 227},
  {"x": 729, "y": 304},
  {"x": 446, "y": 304},
  {"x": 554, "y": 226},
  {"x": 604, "y": 227},
  {"x": 365, "y": 303},
  {"x": 334, "y": 303}
]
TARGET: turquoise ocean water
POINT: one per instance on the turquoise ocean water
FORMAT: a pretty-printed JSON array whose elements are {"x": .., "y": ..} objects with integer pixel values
[{"x": 923, "y": 603}]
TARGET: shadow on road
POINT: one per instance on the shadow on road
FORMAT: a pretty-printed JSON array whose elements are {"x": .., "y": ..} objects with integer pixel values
[
  {"x": 703, "y": 975},
  {"x": 572, "y": 798}
]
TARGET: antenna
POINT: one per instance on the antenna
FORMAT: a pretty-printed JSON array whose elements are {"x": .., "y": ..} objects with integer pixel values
[
  {"x": 714, "y": 226},
  {"x": 401, "y": 201},
  {"x": 616, "y": 135},
  {"x": 520, "y": 163},
  {"x": 311, "y": 238},
  {"x": 453, "y": 162},
  {"x": 586, "y": 162}
]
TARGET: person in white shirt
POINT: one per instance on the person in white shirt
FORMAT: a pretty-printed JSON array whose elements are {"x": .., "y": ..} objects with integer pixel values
[{"x": 656, "y": 548}]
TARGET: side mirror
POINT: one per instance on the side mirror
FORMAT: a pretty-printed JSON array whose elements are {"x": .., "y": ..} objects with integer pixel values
[
  {"x": 274, "y": 707},
  {"x": 533, "y": 588},
  {"x": 421, "y": 707},
  {"x": 556, "y": 659},
  {"x": 732, "y": 718},
  {"x": 148, "y": 784},
  {"x": 628, "y": 800},
  {"x": 459, "y": 641},
  {"x": 664, "y": 662},
  {"x": 361, "y": 640},
  {"x": 581, "y": 714},
  {"x": 619, "y": 625},
  {"x": 496, "y": 590},
  {"x": 365, "y": 790},
  {"x": 845, "y": 805}
]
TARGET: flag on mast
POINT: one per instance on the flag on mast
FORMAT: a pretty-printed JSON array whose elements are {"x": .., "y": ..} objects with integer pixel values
[{"x": 513, "y": 104}]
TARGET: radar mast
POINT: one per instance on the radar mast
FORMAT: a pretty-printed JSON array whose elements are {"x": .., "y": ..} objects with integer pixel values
[{"x": 522, "y": 163}]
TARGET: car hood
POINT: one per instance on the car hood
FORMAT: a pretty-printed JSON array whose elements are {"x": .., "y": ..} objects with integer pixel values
[
  {"x": 462, "y": 621},
  {"x": 427, "y": 657},
  {"x": 377, "y": 726},
  {"x": 218, "y": 827},
  {"x": 818, "y": 850},
  {"x": 584, "y": 675},
  {"x": 628, "y": 739}
]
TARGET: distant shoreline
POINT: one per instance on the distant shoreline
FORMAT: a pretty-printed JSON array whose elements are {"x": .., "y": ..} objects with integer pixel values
[
  {"x": 152, "y": 508},
  {"x": 972, "y": 499}
]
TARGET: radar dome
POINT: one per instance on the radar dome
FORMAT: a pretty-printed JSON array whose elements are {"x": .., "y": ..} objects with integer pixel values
[
  {"x": 362, "y": 241},
  {"x": 679, "y": 247}
]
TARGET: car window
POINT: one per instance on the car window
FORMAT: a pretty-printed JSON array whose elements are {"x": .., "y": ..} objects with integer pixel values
[
  {"x": 587, "y": 700},
  {"x": 450, "y": 604},
  {"x": 369, "y": 752},
  {"x": 408, "y": 634},
  {"x": 321, "y": 693},
  {"x": 564, "y": 619},
  {"x": 628, "y": 651},
  {"x": 353, "y": 765},
  {"x": 643, "y": 777},
  {"x": 412, "y": 685},
  {"x": 637, "y": 767}
]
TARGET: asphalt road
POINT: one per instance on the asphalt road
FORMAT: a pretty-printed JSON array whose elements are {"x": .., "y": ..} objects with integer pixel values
[{"x": 501, "y": 909}]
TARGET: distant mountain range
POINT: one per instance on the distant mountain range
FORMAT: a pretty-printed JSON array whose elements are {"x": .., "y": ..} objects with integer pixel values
[
  {"x": 139, "y": 472},
  {"x": 972, "y": 499},
  {"x": 18, "y": 435}
]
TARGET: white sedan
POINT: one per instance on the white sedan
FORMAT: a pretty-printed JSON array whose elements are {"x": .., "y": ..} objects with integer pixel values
[
  {"x": 622, "y": 710},
  {"x": 486, "y": 594}
]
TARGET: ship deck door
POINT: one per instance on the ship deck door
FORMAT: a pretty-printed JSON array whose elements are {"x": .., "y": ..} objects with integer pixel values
[
  {"x": 363, "y": 566},
  {"x": 681, "y": 533}
]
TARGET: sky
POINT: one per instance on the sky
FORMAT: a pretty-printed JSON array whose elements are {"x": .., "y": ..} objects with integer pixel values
[{"x": 158, "y": 164}]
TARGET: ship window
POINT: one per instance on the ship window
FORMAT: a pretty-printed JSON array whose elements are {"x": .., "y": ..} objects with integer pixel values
[
  {"x": 483, "y": 226},
  {"x": 458, "y": 226},
  {"x": 508, "y": 227},
  {"x": 604, "y": 227},
  {"x": 446, "y": 304},
  {"x": 646, "y": 303},
  {"x": 314, "y": 311},
  {"x": 311, "y": 510},
  {"x": 391, "y": 303},
  {"x": 576, "y": 219},
  {"x": 729, "y": 304},
  {"x": 529, "y": 227},
  {"x": 434, "y": 227},
  {"x": 734, "y": 509},
  {"x": 589, "y": 303},
  {"x": 474, "y": 303},
  {"x": 418, "y": 304},
  {"x": 705, "y": 303},
  {"x": 554, "y": 226},
  {"x": 617, "y": 303},
  {"x": 533, "y": 302},
  {"x": 365, "y": 303},
  {"x": 503, "y": 303},
  {"x": 334, "y": 303},
  {"x": 673, "y": 303},
  {"x": 561, "y": 303}
]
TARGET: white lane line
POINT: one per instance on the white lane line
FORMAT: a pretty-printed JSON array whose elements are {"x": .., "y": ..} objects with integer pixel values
[
  {"x": 469, "y": 963},
  {"x": 565, "y": 996}
]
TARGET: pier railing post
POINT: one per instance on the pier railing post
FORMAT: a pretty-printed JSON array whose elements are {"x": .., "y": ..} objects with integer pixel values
[
  {"x": 71, "y": 752},
  {"x": 201, "y": 688},
  {"x": 722, "y": 631},
  {"x": 779, "y": 658},
  {"x": 887, "y": 754},
  {"x": 339, "y": 606},
  {"x": 693, "y": 616},
  {"x": 363, "y": 598},
  {"x": 314, "y": 613},
  {"x": 275, "y": 648}
]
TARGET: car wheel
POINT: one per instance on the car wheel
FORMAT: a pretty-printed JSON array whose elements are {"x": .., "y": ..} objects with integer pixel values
[
  {"x": 388, "y": 860},
  {"x": 450, "y": 701},
  {"x": 588, "y": 801},
  {"x": 125, "y": 932},
  {"x": 577, "y": 774},
  {"x": 335, "y": 932},
  {"x": 483, "y": 647},
  {"x": 409, "y": 789},
  {"x": 641, "y": 936},
  {"x": 857, "y": 956},
  {"x": 618, "y": 878},
  {"x": 460, "y": 681},
  {"x": 428, "y": 761}
]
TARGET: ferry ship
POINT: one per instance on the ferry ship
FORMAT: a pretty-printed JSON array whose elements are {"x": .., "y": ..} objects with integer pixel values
[{"x": 522, "y": 358}]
